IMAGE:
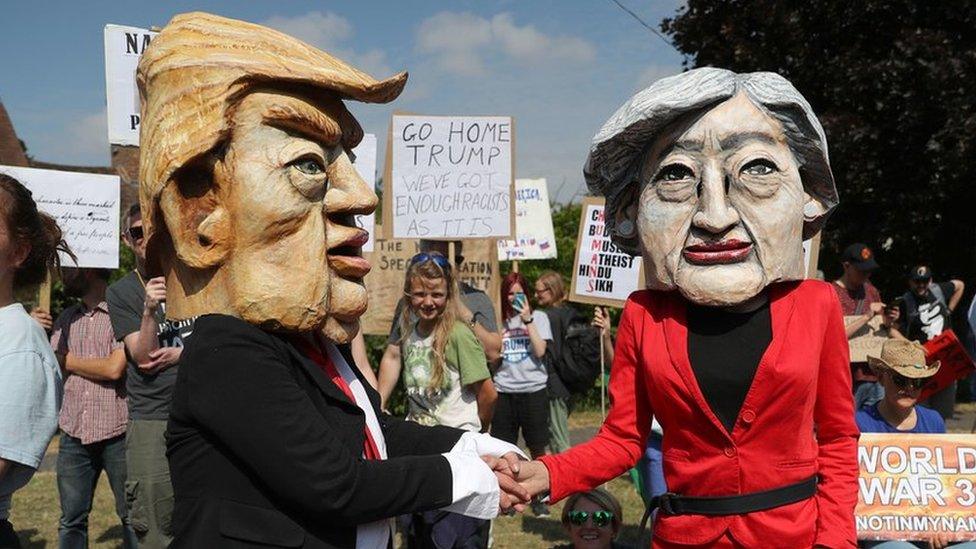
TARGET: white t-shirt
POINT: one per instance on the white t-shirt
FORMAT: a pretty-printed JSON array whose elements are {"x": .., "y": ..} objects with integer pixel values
[
  {"x": 521, "y": 372},
  {"x": 30, "y": 398}
]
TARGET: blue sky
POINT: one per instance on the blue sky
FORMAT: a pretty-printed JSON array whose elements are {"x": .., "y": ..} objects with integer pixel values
[{"x": 560, "y": 67}]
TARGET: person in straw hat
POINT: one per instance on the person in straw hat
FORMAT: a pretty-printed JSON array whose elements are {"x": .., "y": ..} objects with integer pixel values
[
  {"x": 902, "y": 372},
  {"x": 248, "y": 196}
]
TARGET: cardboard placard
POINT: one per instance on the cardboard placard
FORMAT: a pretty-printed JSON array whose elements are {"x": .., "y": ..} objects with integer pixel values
[
  {"x": 86, "y": 207},
  {"x": 602, "y": 273},
  {"x": 123, "y": 49},
  {"x": 913, "y": 486},
  {"x": 534, "y": 235},
  {"x": 365, "y": 164},
  {"x": 956, "y": 363},
  {"x": 450, "y": 177},
  {"x": 390, "y": 259},
  {"x": 811, "y": 255},
  {"x": 868, "y": 340}
]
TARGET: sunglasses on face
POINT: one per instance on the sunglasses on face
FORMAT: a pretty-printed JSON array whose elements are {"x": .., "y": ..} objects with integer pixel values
[
  {"x": 135, "y": 233},
  {"x": 437, "y": 258},
  {"x": 600, "y": 518},
  {"x": 906, "y": 382}
]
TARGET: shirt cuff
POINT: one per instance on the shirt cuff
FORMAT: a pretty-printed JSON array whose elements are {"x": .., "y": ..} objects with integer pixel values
[
  {"x": 482, "y": 444},
  {"x": 474, "y": 491}
]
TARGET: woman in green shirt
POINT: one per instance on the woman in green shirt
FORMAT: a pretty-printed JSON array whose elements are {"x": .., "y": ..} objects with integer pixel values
[{"x": 444, "y": 367}]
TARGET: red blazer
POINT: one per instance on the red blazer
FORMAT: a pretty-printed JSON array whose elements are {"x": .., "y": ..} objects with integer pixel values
[{"x": 797, "y": 420}]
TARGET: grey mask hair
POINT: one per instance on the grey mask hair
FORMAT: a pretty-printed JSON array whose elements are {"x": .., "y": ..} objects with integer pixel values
[{"x": 612, "y": 168}]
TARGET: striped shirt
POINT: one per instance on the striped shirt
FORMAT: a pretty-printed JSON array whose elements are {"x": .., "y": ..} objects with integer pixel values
[{"x": 92, "y": 410}]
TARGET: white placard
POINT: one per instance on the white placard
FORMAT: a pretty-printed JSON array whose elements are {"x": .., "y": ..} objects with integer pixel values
[
  {"x": 602, "y": 274},
  {"x": 365, "y": 164},
  {"x": 123, "y": 49},
  {"x": 451, "y": 177},
  {"x": 534, "y": 236},
  {"x": 86, "y": 207}
]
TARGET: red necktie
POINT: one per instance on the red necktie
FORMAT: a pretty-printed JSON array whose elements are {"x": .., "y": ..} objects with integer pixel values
[{"x": 370, "y": 450}]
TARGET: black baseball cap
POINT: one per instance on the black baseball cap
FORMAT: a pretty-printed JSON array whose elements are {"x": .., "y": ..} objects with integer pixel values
[
  {"x": 920, "y": 273},
  {"x": 860, "y": 256}
]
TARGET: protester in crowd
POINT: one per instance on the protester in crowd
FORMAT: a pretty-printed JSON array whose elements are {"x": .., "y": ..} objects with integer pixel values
[
  {"x": 928, "y": 307},
  {"x": 474, "y": 309},
  {"x": 862, "y": 301},
  {"x": 94, "y": 413},
  {"x": 523, "y": 402},
  {"x": 30, "y": 380},
  {"x": 447, "y": 382},
  {"x": 153, "y": 346},
  {"x": 592, "y": 520},
  {"x": 902, "y": 371}
]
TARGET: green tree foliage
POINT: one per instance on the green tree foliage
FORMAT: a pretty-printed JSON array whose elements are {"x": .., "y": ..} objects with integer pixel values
[{"x": 894, "y": 84}]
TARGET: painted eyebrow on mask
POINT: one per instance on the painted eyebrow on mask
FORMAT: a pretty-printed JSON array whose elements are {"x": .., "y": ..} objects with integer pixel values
[
  {"x": 733, "y": 141},
  {"x": 294, "y": 115}
]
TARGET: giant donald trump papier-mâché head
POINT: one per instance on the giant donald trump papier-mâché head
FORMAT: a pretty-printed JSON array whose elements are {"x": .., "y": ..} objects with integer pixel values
[
  {"x": 715, "y": 178},
  {"x": 247, "y": 189}
]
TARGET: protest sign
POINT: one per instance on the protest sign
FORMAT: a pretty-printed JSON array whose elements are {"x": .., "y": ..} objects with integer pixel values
[
  {"x": 534, "y": 236},
  {"x": 602, "y": 273},
  {"x": 389, "y": 261},
  {"x": 450, "y": 177},
  {"x": 868, "y": 339},
  {"x": 913, "y": 486},
  {"x": 86, "y": 207},
  {"x": 123, "y": 49},
  {"x": 956, "y": 363},
  {"x": 365, "y": 164}
]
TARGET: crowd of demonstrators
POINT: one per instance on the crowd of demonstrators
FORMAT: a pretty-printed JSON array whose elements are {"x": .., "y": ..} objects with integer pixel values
[
  {"x": 30, "y": 379},
  {"x": 447, "y": 382},
  {"x": 592, "y": 520},
  {"x": 153, "y": 346},
  {"x": 94, "y": 413},
  {"x": 928, "y": 307}
]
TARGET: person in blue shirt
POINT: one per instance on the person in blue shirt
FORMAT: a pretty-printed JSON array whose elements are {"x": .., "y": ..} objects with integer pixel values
[{"x": 902, "y": 372}]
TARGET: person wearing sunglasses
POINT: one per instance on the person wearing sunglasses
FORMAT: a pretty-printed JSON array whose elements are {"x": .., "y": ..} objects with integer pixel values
[
  {"x": 592, "y": 520},
  {"x": 902, "y": 372}
]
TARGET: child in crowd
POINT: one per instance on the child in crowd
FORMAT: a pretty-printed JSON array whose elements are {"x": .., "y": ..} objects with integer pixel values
[
  {"x": 30, "y": 379},
  {"x": 447, "y": 382}
]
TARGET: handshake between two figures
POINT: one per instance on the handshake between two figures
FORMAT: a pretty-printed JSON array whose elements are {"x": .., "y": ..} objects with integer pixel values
[{"x": 518, "y": 480}]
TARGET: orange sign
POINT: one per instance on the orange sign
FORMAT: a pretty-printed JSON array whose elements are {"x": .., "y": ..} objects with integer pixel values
[
  {"x": 913, "y": 486},
  {"x": 956, "y": 363}
]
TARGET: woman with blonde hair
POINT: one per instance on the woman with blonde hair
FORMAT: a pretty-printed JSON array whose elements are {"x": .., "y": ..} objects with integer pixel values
[{"x": 446, "y": 378}]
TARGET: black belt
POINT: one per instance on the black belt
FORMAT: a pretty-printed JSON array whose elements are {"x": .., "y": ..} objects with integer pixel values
[{"x": 675, "y": 504}]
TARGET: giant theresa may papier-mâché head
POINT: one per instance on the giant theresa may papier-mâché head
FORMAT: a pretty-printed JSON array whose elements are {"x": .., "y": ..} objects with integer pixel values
[
  {"x": 715, "y": 178},
  {"x": 248, "y": 192}
]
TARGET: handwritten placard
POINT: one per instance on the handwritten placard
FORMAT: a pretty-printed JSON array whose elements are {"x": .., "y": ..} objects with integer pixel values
[
  {"x": 365, "y": 164},
  {"x": 602, "y": 273},
  {"x": 868, "y": 339},
  {"x": 451, "y": 177},
  {"x": 913, "y": 486},
  {"x": 389, "y": 261},
  {"x": 123, "y": 49},
  {"x": 534, "y": 236},
  {"x": 86, "y": 207}
]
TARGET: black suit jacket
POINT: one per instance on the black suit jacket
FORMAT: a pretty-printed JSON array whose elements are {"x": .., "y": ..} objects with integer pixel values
[{"x": 265, "y": 450}]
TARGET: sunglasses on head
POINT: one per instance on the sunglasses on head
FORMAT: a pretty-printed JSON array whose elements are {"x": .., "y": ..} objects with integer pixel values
[
  {"x": 905, "y": 382},
  {"x": 135, "y": 233},
  {"x": 600, "y": 518},
  {"x": 437, "y": 258}
]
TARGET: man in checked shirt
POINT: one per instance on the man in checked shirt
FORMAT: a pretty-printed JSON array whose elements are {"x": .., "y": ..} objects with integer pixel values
[{"x": 94, "y": 412}]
